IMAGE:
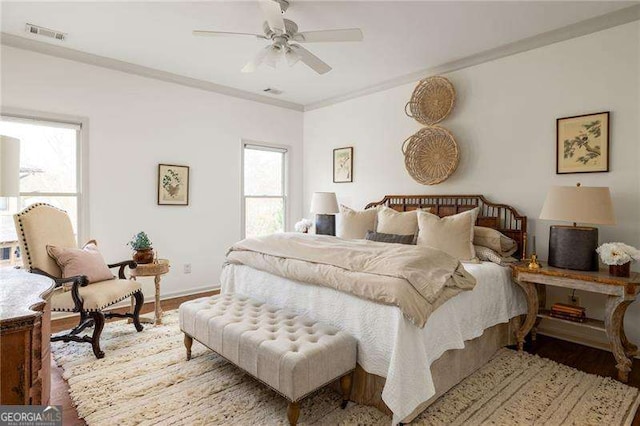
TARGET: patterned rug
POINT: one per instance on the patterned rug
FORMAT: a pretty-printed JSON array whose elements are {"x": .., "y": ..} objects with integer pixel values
[{"x": 144, "y": 379}]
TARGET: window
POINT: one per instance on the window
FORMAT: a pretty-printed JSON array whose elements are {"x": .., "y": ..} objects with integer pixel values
[
  {"x": 49, "y": 170},
  {"x": 264, "y": 190}
]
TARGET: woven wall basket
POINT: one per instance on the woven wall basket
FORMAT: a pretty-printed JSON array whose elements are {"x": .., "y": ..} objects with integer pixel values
[
  {"x": 431, "y": 155},
  {"x": 432, "y": 100}
]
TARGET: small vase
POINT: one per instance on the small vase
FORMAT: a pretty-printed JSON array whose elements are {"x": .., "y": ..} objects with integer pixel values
[
  {"x": 143, "y": 256},
  {"x": 620, "y": 270}
]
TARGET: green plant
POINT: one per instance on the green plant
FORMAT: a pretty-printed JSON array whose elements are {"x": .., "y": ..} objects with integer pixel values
[{"x": 140, "y": 241}]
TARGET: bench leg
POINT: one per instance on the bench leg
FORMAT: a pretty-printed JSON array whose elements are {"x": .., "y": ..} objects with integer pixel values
[
  {"x": 293, "y": 412},
  {"x": 345, "y": 385},
  {"x": 188, "y": 341}
]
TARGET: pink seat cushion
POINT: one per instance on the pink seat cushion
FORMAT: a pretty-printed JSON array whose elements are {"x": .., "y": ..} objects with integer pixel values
[{"x": 85, "y": 261}]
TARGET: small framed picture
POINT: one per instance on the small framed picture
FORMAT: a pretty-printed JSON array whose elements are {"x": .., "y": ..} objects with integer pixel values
[
  {"x": 343, "y": 165},
  {"x": 582, "y": 143},
  {"x": 173, "y": 185}
]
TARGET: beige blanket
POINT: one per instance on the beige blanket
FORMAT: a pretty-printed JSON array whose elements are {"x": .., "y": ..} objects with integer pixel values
[{"x": 416, "y": 279}]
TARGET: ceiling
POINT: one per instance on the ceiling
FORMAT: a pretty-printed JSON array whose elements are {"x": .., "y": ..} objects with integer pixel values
[{"x": 399, "y": 37}]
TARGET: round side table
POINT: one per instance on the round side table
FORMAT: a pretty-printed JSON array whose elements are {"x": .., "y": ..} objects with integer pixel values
[{"x": 156, "y": 270}]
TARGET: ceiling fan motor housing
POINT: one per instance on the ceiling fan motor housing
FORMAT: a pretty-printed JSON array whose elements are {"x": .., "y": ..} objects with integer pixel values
[{"x": 291, "y": 29}]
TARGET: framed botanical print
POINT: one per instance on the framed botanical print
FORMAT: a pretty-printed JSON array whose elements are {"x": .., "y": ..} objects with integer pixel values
[
  {"x": 173, "y": 185},
  {"x": 343, "y": 165},
  {"x": 582, "y": 143}
]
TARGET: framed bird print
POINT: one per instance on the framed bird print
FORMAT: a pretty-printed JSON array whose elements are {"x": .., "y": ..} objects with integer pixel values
[
  {"x": 343, "y": 165},
  {"x": 582, "y": 143},
  {"x": 173, "y": 185}
]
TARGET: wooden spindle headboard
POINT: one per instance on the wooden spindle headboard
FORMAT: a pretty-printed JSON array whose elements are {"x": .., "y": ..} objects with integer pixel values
[{"x": 502, "y": 217}]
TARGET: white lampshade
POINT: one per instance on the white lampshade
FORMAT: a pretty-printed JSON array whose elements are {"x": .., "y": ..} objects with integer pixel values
[
  {"x": 579, "y": 204},
  {"x": 9, "y": 166},
  {"x": 324, "y": 203}
]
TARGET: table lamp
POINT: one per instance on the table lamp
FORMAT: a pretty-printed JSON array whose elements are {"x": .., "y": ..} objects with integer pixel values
[
  {"x": 573, "y": 246},
  {"x": 9, "y": 166},
  {"x": 325, "y": 206}
]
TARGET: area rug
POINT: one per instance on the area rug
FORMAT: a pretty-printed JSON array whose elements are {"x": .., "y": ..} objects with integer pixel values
[{"x": 144, "y": 379}]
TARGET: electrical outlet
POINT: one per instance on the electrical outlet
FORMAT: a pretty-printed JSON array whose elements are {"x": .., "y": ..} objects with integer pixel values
[
  {"x": 573, "y": 300},
  {"x": 187, "y": 268}
]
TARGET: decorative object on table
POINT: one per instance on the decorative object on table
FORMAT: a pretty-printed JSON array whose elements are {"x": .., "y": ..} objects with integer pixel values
[
  {"x": 142, "y": 248},
  {"x": 155, "y": 269},
  {"x": 533, "y": 260},
  {"x": 432, "y": 100},
  {"x": 325, "y": 207},
  {"x": 173, "y": 185},
  {"x": 343, "y": 165},
  {"x": 582, "y": 143},
  {"x": 568, "y": 312},
  {"x": 431, "y": 155},
  {"x": 304, "y": 225},
  {"x": 574, "y": 247},
  {"x": 9, "y": 166},
  {"x": 618, "y": 256}
]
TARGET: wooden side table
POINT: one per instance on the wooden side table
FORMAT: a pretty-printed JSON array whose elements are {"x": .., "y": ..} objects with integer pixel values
[
  {"x": 156, "y": 270},
  {"x": 620, "y": 292}
]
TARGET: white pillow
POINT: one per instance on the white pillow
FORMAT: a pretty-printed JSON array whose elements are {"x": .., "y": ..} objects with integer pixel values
[
  {"x": 398, "y": 223},
  {"x": 451, "y": 234},
  {"x": 354, "y": 224}
]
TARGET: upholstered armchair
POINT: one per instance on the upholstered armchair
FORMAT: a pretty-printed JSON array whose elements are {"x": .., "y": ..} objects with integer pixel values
[{"x": 41, "y": 225}]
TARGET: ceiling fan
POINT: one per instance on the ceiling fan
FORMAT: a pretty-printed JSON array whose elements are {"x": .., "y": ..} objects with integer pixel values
[{"x": 282, "y": 33}]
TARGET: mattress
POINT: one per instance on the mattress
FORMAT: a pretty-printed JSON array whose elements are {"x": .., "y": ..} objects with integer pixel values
[{"x": 389, "y": 345}]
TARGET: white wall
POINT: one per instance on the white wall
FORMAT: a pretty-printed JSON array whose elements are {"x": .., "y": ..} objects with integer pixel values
[
  {"x": 504, "y": 123},
  {"x": 136, "y": 123}
]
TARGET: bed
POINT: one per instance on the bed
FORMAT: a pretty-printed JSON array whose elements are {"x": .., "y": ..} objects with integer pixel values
[{"x": 402, "y": 368}]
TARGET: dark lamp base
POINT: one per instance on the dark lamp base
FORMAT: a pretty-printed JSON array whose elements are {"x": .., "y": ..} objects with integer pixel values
[
  {"x": 573, "y": 247},
  {"x": 326, "y": 224}
]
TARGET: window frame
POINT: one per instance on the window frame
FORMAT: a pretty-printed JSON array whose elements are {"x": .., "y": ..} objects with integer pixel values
[
  {"x": 265, "y": 146},
  {"x": 82, "y": 159}
]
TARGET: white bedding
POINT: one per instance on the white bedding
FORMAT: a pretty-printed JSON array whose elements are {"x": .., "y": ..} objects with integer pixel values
[{"x": 388, "y": 344}]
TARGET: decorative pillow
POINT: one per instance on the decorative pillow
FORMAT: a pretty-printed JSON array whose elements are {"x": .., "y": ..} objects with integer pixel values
[
  {"x": 451, "y": 234},
  {"x": 487, "y": 255},
  {"x": 354, "y": 224},
  {"x": 398, "y": 223},
  {"x": 85, "y": 261},
  {"x": 495, "y": 240},
  {"x": 390, "y": 238}
]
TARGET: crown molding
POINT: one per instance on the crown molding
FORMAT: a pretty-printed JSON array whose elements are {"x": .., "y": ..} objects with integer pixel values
[
  {"x": 589, "y": 26},
  {"x": 127, "y": 67}
]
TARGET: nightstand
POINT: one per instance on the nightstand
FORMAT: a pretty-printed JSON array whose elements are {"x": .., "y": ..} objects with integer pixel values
[{"x": 620, "y": 292}]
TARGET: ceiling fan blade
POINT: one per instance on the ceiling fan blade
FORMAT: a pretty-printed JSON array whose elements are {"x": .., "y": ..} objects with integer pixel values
[
  {"x": 348, "y": 34},
  {"x": 253, "y": 64},
  {"x": 224, "y": 34},
  {"x": 311, "y": 60},
  {"x": 273, "y": 15}
]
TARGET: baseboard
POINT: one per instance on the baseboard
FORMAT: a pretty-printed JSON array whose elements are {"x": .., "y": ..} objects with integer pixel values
[{"x": 576, "y": 334}]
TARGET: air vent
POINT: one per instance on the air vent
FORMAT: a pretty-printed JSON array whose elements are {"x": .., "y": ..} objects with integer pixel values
[
  {"x": 45, "y": 32},
  {"x": 272, "y": 91}
]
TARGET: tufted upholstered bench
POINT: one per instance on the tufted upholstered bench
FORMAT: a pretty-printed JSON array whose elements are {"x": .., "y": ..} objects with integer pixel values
[{"x": 291, "y": 353}]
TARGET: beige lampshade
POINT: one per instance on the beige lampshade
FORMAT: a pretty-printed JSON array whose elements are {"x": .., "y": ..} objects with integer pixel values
[
  {"x": 579, "y": 204},
  {"x": 324, "y": 203},
  {"x": 9, "y": 166}
]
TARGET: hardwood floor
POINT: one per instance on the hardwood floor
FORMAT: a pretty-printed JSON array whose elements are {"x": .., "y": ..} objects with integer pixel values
[
  {"x": 583, "y": 358},
  {"x": 59, "y": 386}
]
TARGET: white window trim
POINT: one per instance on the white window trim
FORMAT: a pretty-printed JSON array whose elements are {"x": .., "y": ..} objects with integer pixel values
[
  {"x": 285, "y": 177},
  {"x": 82, "y": 171}
]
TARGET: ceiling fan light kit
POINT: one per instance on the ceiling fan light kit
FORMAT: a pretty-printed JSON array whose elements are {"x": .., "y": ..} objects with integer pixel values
[{"x": 282, "y": 33}]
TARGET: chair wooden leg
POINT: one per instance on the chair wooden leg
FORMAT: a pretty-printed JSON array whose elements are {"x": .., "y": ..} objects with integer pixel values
[
  {"x": 345, "y": 386},
  {"x": 139, "y": 298},
  {"x": 293, "y": 412},
  {"x": 188, "y": 341},
  {"x": 98, "y": 321}
]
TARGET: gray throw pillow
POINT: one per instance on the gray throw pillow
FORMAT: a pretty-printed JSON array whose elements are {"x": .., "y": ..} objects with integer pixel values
[{"x": 390, "y": 238}]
